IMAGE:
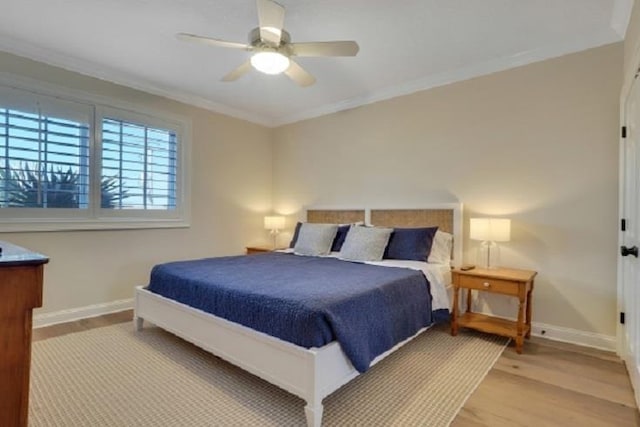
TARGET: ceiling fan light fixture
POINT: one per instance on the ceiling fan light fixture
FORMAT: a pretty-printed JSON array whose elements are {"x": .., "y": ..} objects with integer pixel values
[{"x": 270, "y": 62}]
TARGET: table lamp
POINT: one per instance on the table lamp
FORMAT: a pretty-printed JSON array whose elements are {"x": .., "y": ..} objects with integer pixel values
[
  {"x": 274, "y": 224},
  {"x": 490, "y": 231}
]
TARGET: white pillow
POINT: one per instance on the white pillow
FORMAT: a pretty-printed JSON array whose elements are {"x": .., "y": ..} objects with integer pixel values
[
  {"x": 315, "y": 239},
  {"x": 365, "y": 243},
  {"x": 441, "y": 248}
]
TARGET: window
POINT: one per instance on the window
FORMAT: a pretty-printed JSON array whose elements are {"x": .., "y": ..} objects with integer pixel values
[
  {"x": 67, "y": 164},
  {"x": 139, "y": 165},
  {"x": 45, "y": 161}
]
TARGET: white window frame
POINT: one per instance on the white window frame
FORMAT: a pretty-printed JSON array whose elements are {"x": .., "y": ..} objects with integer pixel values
[{"x": 95, "y": 217}]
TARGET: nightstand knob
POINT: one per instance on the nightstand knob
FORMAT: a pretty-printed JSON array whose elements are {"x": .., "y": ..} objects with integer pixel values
[{"x": 486, "y": 284}]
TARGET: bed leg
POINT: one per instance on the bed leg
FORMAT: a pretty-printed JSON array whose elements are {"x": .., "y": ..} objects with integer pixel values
[
  {"x": 139, "y": 322},
  {"x": 314, "y": 414}
]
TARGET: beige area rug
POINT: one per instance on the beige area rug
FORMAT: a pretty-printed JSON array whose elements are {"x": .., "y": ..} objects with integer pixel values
[{"x": 114, "y": 376}]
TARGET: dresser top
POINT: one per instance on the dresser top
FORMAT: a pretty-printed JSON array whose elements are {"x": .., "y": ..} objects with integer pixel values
[{"x": 13, "y": 255}]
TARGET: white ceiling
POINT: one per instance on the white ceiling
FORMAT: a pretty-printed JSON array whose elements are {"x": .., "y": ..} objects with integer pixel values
[{"x": 405, "y": 45}]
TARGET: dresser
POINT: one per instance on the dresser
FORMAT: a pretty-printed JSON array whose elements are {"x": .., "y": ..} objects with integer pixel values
[{"x": 21, "y": 274}]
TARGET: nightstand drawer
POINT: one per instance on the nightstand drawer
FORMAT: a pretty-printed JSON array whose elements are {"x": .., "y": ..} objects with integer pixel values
[{"x": 491, "y": 285}]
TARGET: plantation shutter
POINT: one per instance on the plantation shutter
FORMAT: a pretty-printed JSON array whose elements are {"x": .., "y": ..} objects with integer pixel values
[
  {"x": 138, "y": 166},
  {"x": 69, "y": 161},
  {"x": 44, "y": 151}
]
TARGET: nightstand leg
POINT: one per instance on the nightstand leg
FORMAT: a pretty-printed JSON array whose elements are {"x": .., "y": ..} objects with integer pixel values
[
  {"x": 454, "y": 312},
  {"x": 529, "y": 303},
  {"x": 520, "y": 325},
  {"x": 469, "y": 300}
]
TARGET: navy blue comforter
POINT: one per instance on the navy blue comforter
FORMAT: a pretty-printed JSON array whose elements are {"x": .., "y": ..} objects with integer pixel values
[{"x": 308, "y": 301}]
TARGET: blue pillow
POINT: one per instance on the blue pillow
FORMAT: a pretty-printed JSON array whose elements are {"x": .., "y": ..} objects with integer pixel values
[
  {"x": 294, "y": 239},
  {"x": 410, "y": 243},
  {"x": 340, "y": 236}
]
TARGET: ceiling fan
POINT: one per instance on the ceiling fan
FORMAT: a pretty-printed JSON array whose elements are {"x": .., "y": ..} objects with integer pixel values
[{"x": 272, "y": 48}]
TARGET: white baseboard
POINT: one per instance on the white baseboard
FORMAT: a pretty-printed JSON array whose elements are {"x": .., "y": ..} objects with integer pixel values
[
  {"x": 55, "y": 317},
  {"x": 556, "y": 333},
  {"x": 543, "y": 330},
  {"x": 574, "y": 336}
]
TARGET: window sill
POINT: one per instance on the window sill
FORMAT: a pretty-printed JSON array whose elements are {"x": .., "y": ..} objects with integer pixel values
[{"x": 29, "y": 226}]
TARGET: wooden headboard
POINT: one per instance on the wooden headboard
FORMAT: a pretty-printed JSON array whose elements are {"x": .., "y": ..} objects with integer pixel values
[
  {"x": 335, "y": 216},
  {"x": 447, "y": 217},
  {"x": 442, "y": 218}
]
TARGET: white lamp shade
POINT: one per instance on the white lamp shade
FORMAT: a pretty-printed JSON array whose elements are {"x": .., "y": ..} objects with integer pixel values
[
  {"x": 490, "y": 229},
  {"x": 274, "y": 222}
]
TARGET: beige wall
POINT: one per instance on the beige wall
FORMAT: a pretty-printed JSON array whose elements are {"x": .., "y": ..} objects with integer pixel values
[
  {"x": 537, "y": 144},
  {"x": 231, "y": 190}
]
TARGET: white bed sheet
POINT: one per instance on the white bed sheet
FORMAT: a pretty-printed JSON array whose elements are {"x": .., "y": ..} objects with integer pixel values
[{"x": 438, "y": 275}]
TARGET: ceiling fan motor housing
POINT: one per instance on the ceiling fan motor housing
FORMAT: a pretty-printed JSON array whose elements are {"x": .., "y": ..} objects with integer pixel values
[{"x": 255, "y": 40}]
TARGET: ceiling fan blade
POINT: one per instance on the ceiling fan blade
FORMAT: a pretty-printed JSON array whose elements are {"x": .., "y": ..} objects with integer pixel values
[
  {"x": 271, "y": 21},
  {"x": 338, "y": 48},
  {"x": 238, "y": 72},
  {"x": 298, "y": 74},
  {"x": 212, "y": 42}
]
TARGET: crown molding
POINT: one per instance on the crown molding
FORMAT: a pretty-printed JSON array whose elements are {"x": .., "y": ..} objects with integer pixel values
[
  {"x": 460, "y": 74},
  {"x": 112, "y": 75},
  {"x": 620, "y": 16},
  {"x": 620, "y": 19}
]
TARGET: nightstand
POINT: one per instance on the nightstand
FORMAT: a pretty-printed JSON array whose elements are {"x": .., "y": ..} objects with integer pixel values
[
  {"x": 511, "y": 282},
  {"x": 251, "y": 250}
]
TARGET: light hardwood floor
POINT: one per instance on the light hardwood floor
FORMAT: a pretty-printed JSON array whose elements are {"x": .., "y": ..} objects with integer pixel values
[{"x": 550, "y": 384}]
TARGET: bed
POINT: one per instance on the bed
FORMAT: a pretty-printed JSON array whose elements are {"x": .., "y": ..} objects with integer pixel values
[{"x": 310, "y": 373}]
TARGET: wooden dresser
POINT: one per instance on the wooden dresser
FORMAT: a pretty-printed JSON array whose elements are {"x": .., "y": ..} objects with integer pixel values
[{"x": 20, "y": 292}]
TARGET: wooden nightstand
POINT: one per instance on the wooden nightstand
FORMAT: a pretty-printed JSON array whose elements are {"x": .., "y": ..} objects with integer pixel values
[
  {"x": 516, "y": 283},
  {"x": 251, "y": 250}
]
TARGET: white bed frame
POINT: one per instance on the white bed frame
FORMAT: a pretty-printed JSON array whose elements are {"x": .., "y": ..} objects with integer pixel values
[{"x": 311, "y": 374}]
